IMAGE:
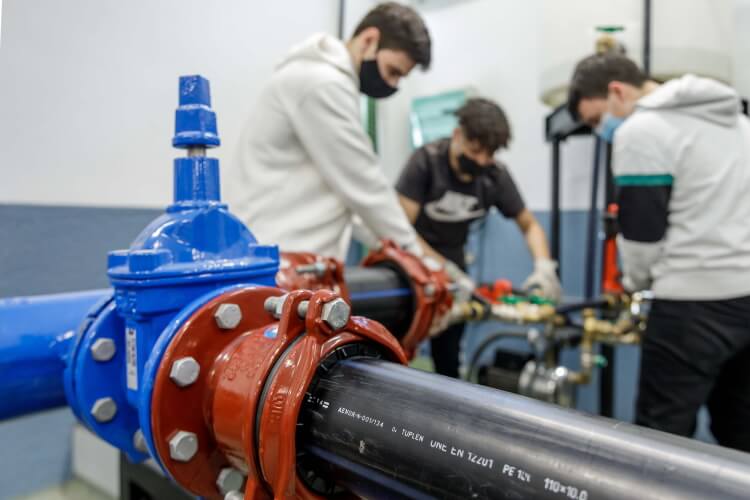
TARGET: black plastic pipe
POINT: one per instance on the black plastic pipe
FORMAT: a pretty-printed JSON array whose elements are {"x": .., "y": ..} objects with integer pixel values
[
  {"x": 386, "y": 431},
  {"x": 383, "y": 294}
]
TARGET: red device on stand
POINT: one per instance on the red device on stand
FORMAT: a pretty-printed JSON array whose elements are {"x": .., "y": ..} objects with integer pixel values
[{"x": 611, "y": 275}]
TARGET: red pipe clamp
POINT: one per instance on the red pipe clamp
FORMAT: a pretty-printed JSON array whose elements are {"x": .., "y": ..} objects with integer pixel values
[
  {"x": 242, "y": 408},
  {"x": 430, "y": 287},
  {"x": 308, "y": 271}
]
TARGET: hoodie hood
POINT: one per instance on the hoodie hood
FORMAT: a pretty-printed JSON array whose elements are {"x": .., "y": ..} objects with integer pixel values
[
  {"x": 325, "y": 49},
  {"x": 701, "y": 98}
]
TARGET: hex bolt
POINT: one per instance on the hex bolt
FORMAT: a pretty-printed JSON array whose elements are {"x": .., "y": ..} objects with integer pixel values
[
  {"x": 228, "y": 316},
  {"x": 302, "y": 308},
  {"x": 234, "y": 495},
  {"x": 229, "y": 480},
  {"x": 317, "y": 268},
  {"x": 183, "y": 446},
  {"x": 336, "y": 313},
  {"x": 139, "y": 441},
  {"x": 103, "y": 350},
  {"x": 429, "y": 290},
  {"x": 270, "y": 304},
  {"x": 185, "y": 371},
  {"x": 274, "y": 305},
  {"x": 104, "y": 410}
]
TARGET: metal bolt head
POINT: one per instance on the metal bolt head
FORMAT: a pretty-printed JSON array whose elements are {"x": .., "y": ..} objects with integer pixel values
[
  {"x": 234, "y": 495},
  {"x": 185, "y": 371},
  {"x": 183, "y": 446},
  {"x": 336, "y": 313},
  {"x": 429, "y": 290},
  {"x": 139, "y": 441},
  {"x": 228, "y": 316},
  {"x": 104, "y": 410},
  {"x": 103, "y": 350},
  {"x": 230, "y": 479}
]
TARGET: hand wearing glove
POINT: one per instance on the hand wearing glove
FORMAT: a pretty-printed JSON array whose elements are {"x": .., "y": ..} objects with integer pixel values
[
  {"x": 544, "y": 281},
  {"x": 637, "y": 259},
  {"x": 463, "y": 282}
]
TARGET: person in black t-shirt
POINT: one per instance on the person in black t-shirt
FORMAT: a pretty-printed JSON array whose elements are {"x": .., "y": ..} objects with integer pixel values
[{"x": 448, "y": 184}]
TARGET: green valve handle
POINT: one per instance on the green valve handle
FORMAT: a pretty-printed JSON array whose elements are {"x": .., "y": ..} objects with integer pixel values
[
  {"x": 541, "y": 301},
  {"x": 610, "y": 29},
  {"x": 513, "y": 299}
]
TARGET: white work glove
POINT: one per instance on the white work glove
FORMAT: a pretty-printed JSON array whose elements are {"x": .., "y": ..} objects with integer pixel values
[
  {"x": 458, "y": 277},
  {"x": 631, "y": 285},
  {"x": 544, "y": 281},
  {"x": 637, "y": 259}
]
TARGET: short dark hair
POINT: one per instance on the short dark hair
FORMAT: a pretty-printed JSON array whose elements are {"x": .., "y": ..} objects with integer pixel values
[
  {"x": 593, "y": 75},
  {"x": 401, "y": 28},
  {"x": 484, "y": 121}
]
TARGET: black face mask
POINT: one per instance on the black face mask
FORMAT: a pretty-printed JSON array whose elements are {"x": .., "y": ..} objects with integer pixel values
[
  {"x": 371, "y": 81},
  {"x": 470, "y": 167}
]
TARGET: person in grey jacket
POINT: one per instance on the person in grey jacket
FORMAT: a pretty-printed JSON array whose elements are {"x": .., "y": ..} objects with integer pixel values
[
  {"x": 681, "y": 161},
  {"x": 305, "y": 166}
]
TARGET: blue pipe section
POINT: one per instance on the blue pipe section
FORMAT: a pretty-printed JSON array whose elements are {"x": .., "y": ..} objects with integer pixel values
[
  {"x": 381, "y": 294},
  {"x": 36, "y": 334}
]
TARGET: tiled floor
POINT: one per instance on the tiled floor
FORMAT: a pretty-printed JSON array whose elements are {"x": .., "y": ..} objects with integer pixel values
[{"x": 72, "y": 490}]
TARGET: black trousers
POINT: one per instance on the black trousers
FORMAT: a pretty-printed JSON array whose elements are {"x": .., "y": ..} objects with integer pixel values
[
  {"x": 445, "y": 350},
  {"x": 696, "y": 353}
]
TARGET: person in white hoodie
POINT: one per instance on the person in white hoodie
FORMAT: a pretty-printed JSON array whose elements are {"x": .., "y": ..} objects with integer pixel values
[
  {"x": 306, "y": 167},
  {"x": 681, "y": 161}
]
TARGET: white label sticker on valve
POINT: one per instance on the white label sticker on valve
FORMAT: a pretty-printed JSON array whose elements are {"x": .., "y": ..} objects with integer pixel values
[{"x": 132, "y": 358}]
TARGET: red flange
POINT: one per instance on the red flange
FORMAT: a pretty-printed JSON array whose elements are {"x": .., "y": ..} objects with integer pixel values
[
  {"x": 430, "y": 287},
  {"x": 243, "y": 407},
  {"x": 308, "y": 271}
]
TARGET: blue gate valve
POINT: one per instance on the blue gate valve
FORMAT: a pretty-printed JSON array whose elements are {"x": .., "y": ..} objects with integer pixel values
[{"x": 194, "y": 251}]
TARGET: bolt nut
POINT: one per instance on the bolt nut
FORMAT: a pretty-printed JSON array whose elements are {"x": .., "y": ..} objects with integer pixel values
[
  {"x": 228, "y": 316},
  {"x": 183, "y": 446},
  {"x": 104, "y": 410},
  {"x": 234, "y": 495},
  {"x": 185, "y": 371},
  {"x": 336, "y": 313},
  {"x": 139, "y": 441},
  {"x": 429, "y": 290},
  {"x": 229, "y": 480},
  {"x": 103, "y": 349}
]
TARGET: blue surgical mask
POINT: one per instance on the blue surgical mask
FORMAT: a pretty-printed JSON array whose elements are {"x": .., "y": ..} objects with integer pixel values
[{"x": 607, "y": 126}]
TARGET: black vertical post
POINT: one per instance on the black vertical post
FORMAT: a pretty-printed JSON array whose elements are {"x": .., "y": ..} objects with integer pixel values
[
  {"x": 593, "y": 224},
  {"x": 647, "y": 37},
  {"x": 555, "y": 208},
  {"x": 607, "y": 382},
  {"x": 342, "y": 18}
]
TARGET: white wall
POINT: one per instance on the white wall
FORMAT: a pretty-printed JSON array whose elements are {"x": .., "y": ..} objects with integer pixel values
[
  {"x": 88, "y": 88},
  {"x": 491, "y": 45},
  {"x": 742, "y": 47}
]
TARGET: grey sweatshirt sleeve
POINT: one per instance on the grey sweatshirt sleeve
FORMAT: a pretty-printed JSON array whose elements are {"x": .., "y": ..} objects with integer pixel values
[{"x": 327, "y": 123}]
